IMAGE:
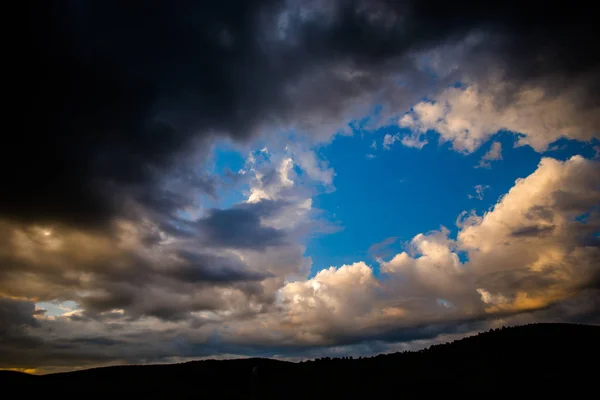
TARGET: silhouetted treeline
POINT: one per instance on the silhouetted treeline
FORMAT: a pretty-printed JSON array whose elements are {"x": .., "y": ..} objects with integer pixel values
[{"x": 538, "y": 359}]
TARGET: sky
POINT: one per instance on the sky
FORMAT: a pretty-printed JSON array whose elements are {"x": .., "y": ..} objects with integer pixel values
[{"x": 295, "y": 179}]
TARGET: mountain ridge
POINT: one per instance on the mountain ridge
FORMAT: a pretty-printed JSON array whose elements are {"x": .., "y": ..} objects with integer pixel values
[{"x": 537, "y": 357}]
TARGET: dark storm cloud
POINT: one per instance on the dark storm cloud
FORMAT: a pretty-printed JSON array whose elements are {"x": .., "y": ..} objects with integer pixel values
[
  {"x": 19, "y": 347},
  {"x": 152, "y": 298},
  {"x": 115, "y": 95},
  {"x": 241, "y": 227},
  {"x": 210, "y": 268},
  {"x": 117, "y": 90},
  {"x": 148, "y": 276},
  {"x": 15, "y": 317},
  {"x": 237, "y": 227},
  {"x": 168, "y": 291}
]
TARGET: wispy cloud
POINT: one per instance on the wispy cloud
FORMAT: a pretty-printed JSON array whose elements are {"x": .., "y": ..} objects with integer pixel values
[
  {"x": 479, "y": 192},
  {"x": 493, "y": 154}
]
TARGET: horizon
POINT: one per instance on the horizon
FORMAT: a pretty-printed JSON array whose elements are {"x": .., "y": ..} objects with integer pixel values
[
  {"x": 448, "y": 340},
  {"x": 295, "y": 179}
]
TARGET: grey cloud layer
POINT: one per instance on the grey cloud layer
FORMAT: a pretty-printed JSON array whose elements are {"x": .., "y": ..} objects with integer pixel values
[
  {"x": 126, "y": 270},
  {"x": 122, "y": 97}
]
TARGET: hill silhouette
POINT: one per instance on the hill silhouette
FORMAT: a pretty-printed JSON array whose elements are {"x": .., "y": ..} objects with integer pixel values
[{"x": 538, "y": 359}]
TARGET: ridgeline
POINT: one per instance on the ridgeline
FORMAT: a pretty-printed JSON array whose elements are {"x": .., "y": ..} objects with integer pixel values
[{"x": 537, "y": 359}]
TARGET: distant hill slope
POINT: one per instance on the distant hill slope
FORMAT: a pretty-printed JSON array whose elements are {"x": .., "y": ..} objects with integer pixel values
[{"x": 539, "y": 359}]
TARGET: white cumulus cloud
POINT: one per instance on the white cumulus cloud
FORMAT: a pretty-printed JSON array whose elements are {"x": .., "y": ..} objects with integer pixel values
[{"x": 468, "y": 116}]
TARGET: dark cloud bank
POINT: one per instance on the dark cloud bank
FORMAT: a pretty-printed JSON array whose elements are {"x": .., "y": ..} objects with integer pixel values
[{"x": 115, "y": 96}]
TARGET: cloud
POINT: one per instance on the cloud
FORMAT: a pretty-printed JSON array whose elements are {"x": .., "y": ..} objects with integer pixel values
[
  {"x": 493, "y": 154},
  {"x": 214, "y": 269},
  {"x": 530, "y": 254},
  {"x": 241, "y": 227},
  {"x": 159, "y": 273},
  {"x": 379, "y": 250},
  {"x": 436, "y": 269},
  {"x": 468, "y": 117},
  {"x": 388, "y": 140},
  {"x": 335, "y": 299},
  {"x": 479, "y": 190},
  {"x": 131, "y": 112},
  {"x": 145, "y": 270},
  {"x": 534, "y": 229},
  {"x": 418, "y": 141},
  {"x": 137, "y": 95},
  {"x": 316, "y": 169},
  {"x": 414, "y": 140},
  {"x": 270, "y": 183},
  {"x": 16, "y": 316}
]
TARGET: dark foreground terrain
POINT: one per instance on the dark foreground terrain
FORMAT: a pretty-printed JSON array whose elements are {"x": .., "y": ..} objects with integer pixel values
[{"x": 556, "y": 359}]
